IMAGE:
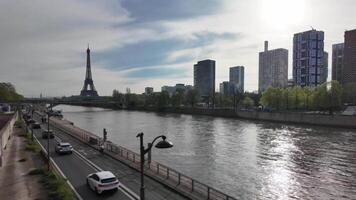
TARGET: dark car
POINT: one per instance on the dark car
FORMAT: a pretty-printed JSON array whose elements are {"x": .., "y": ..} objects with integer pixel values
[
  {"x": 36, "y": 125},
  {"x": 46, "y": 134}
]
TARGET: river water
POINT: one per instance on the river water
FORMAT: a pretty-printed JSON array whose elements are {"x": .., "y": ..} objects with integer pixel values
[{"x": 246, "y": 159}]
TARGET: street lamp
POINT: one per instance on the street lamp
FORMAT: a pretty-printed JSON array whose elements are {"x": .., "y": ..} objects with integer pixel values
[
  {"x": 163, "y": 144},
  {"x": 48, "y": 136}
]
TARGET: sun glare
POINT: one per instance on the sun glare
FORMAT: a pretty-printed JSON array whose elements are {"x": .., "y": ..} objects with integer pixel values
[{"x": 282, "y": 13}]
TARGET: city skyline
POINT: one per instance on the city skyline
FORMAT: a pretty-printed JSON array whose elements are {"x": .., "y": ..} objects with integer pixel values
[{"x": 132, "y": 47}]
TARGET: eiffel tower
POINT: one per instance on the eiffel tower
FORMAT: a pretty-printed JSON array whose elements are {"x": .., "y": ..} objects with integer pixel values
[{"x": 88, "y": 81}]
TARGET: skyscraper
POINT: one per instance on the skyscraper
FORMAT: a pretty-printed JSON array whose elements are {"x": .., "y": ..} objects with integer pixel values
[
  {"x": 324, "y": 72},
  {"x": 308, "y": 58},
  {"x": 237, "y": 76},
  {"x": 337, "y": 62},
  {"x": 204, "y": 78},
  {"x": 224, "y": 88},
  {"x": 273, "y": 68},
  {"x": 349, "y": 69}
]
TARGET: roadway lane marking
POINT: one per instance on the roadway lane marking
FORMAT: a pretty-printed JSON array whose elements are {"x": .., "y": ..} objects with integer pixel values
[
  {"x": 60, "y": 171},
  {"x": 128, "y": 192}
]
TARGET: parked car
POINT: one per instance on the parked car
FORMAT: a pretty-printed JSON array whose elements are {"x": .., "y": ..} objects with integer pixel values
[
  {"x": 64, "y": 148},
  {"x": 36, "y": 125},
  {"x": 47, "y": 133},
  {"x": 102, "y": 181}
]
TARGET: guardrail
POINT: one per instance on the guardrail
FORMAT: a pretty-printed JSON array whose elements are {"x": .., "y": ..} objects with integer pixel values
[{"x": 176, "y": 180}]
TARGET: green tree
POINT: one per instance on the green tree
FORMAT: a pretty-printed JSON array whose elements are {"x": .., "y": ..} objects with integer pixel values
[
  {"x": 248, "y": 102},
  {"x": 163, "y": 100},
  {"x": 192, "y": 97},
  {"x": 335, "y": 96},
  {"x": 8, "y": 93},
  {"x": 349, "y": 94}
]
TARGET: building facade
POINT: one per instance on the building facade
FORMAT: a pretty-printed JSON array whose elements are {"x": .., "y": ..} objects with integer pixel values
[
  {"x": 204, "y": 78},
  {"x": 349, "y": 69},
  {"x": 308, "y": 58},
  {"x": 173, "y": 89},
  {"x": 237, "y": 78},
  {"x": 273, "y": 68},
  {"x": 148, "y": 90},
  {"x": 225, "y": 88},
  {"x": 337, "y": 62},
  {"x": 325, "y": 71}
]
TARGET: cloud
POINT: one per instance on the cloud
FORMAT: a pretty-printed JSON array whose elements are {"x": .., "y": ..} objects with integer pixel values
[
  {"x": 157, "y": 10},
  {"x": 134, "y": 42}
]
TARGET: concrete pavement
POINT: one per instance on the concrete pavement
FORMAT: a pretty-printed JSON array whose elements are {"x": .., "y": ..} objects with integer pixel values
[{"x": 15, "y": 183}]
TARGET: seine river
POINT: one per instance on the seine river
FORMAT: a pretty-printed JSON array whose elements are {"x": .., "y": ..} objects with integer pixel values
[{"x": 246, "y": 159}]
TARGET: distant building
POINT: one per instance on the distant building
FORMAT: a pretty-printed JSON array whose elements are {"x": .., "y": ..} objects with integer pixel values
[
  {"x": 325, "y": 70},
  {"x": 273, "y": 68},
  {"x": 148, "y": 90},
  {"x": 308, "y": 58},
  {"x": 204, "y": 78},
  {"x": 237, "y": 76},
  {"x": 349, "y": 69},
  {"x": 225, "y": 88},
  {"x": 173, "y": 89},
  {"x": 337, "y": 62}
]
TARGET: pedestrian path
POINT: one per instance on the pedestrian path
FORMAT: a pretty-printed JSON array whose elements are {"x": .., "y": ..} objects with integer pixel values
[{"x": 15, "y": 183}]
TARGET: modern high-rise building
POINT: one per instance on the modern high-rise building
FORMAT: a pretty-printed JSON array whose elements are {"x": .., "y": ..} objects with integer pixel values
[
  {"x": 337, "y": 62},
  {"x": 237, "y": 76},
  {"x": 273, "y": 68},
  {"x": 324, "y": 72},
  {"x": 204, "y": 78},
  {"x": 308, "y": 58},
  {"x": 225, "y": 88},
  {"x": 349, "y": 69}
]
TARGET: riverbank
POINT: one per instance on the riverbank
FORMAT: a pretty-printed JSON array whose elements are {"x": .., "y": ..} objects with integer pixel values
[{"x": 341, "y": 121}]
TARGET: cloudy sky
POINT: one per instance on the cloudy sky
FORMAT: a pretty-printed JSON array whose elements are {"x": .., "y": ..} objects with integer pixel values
[{"x": 139, "y": 43}]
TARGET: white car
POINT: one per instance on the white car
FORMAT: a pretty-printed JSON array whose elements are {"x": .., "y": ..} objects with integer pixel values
[
  {"x": 102, "y": 181},
  {"x": 64, "y": 147}
]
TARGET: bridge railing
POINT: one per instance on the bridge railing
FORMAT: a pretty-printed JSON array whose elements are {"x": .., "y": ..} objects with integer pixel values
[{"x": 177, "y": 180}]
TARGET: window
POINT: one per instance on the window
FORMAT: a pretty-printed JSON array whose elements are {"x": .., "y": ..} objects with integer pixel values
[{"x": 108, "y": 180}]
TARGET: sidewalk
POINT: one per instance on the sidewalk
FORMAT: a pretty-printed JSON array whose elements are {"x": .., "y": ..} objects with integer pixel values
[{"x": 15, "y": 184}]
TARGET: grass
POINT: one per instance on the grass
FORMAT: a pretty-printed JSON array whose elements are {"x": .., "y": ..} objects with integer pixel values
[
  {"x": 57, "y": 186},
  {"x": 31, "y": 145},
  {"x": 36, "y": 171},
  {"x": 18, "y": 123},
  {"x": 22, "y": 160}
]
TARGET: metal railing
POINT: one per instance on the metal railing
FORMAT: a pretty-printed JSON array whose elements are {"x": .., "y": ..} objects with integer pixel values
[{"x": 178, "y": 181}]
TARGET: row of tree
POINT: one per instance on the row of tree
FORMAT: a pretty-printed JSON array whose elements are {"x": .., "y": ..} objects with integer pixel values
[
  {"x": 160, "y": 100},
  {"x": 327, "y": 96},
  {"x": 8, "y": 93}
]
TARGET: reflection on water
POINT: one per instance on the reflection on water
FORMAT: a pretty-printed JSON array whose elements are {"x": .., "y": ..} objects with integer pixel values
[{"x": 249, "y": 160}]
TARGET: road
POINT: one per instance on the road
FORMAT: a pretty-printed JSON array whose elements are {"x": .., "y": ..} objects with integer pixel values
[
  {"x": 129, "y": 178},
  {"x": 75, "y": 168}
]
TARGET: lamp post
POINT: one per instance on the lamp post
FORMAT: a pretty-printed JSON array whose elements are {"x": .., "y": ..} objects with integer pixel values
[
  {"x": 48, "y": 136},
  {"x": 163, "y": 144}
]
